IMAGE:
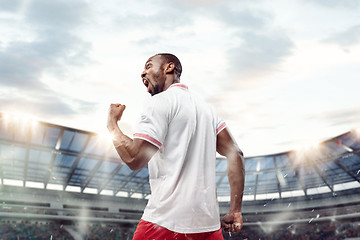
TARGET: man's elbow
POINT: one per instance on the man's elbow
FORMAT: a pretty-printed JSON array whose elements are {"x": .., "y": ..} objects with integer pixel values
[
  {"x": 238, "y": 158},
  {"x": 236, "y": 153},
  {"x": 135, "y": 164}
]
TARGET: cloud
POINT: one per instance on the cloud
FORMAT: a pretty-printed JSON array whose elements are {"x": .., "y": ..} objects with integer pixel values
[
  {"x": 24, "y": 63},
  {"x": 242, "y": 19},
  {"x": 151, "y": 41},
  {"x": 343, "y": 117},
  {"x": 259, "y": 52},
  {"x": 159, "y": 21},
  {"x": 347, "y": 38},
  {"x": 257, "y": 45},
  {"x": 9, "y": 6},
  {"x": 20, "y": 69},
  {"x": 349, "y": 4},
  {"x": 45, "y": 103},
  {"x": 56, "y": 14},
  {"x": 213, "y": 3},
  {"x": 168, "y": 17},
  {"x": 52, "y": 49}
]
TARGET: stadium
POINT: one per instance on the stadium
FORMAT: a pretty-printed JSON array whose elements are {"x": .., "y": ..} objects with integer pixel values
[
  {"x": 65, "y": 183},
  {"x": 281, "y": 74}
]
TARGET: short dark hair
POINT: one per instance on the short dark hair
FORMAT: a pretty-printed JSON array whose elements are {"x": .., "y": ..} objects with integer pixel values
[{"x": 168, "y": 57}]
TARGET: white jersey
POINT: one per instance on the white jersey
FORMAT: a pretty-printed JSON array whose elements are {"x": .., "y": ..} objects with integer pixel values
[{"x": 182, "y": 173}]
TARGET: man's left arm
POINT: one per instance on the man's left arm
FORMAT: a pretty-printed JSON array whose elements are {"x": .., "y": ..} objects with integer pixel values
[
  {"x": 226, "y": 146},
  {"x": 136, "y": 153}
]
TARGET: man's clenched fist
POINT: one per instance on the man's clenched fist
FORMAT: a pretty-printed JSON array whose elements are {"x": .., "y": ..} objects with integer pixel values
[{"x": 115, "y": 113}]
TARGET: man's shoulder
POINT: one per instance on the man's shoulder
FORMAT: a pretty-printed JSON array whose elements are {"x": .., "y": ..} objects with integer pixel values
[
  {"x": 168, "y": 94},
  {"x": 159, "y": 102}
]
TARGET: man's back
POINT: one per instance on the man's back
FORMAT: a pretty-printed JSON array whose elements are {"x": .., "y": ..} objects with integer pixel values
[{"x": 182, "y": 173}]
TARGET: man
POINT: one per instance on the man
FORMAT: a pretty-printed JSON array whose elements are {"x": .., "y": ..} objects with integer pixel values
[{"x": 178, "y": 136}]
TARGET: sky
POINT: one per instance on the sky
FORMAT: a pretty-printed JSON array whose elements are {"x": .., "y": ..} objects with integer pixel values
[{"x": 282, "y": 74}]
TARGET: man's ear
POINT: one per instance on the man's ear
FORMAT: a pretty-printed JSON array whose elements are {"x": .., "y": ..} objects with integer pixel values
[{"x": 170, "y": 67}]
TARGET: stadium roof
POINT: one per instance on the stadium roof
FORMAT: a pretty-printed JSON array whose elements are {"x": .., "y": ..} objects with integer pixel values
[{"x": 43, "y": 155}]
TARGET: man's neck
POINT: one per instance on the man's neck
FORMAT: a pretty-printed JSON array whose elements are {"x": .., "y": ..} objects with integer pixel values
[{"x": 170, "y": 82}]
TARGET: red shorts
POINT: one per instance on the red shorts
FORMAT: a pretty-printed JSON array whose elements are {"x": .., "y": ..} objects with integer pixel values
[{"x": 150, "y": 231}]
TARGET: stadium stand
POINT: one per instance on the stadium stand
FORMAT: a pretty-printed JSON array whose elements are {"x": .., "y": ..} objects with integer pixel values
[{"x": 63, "y": 183}]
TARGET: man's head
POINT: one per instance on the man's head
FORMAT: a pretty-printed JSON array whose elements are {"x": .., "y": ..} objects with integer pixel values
[
  {"x": 170, "y": 58},
  {"x": 161, "y": 70}
]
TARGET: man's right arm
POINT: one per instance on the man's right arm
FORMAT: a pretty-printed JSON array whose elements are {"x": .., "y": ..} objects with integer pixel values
[
  {"x": 135, "y": 153},
  {"x": 226, "y": 146}
]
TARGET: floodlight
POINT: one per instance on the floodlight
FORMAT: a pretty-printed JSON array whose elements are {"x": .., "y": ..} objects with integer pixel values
[
  {"x": 345, "y": 186},
  {"x": 122, "y": 194},
  {"x": 90, "y": 190},
  {"x": 137, "y": 195},
  {"x": 267, "y": 196},
  {"x": 223, "y": 198},
  {"x": 357, "y": 132},
  {"x": 294, "y": 193},
  {"x": 57, "y": 146},
  {"x": 248, "y": 198},
  {"x": 16, "y": 118},
  {"x": 281, "y": 179},
  {"x": 51, "y": 186},
  {"x": 72, "y": 188},
  {"x": 13, "y": 182},
  {"x": 23, "y": 120},
  {"x": 34, "y": 123},
  {"x": 347, "y": 148},
  {"x": 318, "y": 190},
  {"x": 107, "y": 192},
  {"x": 308, "y": 148},
  {"x": 6, "y": 116},
  {"x": 30, "y": 184},
  {"x": 105, "y": 138},
  {"x": 258, "y": 166}
]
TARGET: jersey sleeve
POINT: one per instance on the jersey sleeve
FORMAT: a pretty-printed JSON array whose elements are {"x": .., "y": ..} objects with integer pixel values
[
  {"x": 153, "y": 124},
  {"x": 218, "y": 123},
  {"x": 221, "y": 125}
]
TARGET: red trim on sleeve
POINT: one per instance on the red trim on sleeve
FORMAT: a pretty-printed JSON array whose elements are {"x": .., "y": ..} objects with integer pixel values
[
  {"x": 150, "y": 139},
  {"x": 219, "y": 129}
]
